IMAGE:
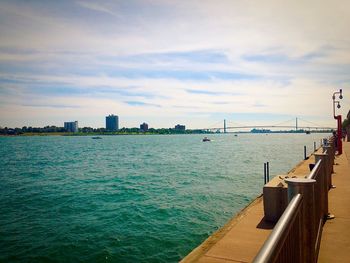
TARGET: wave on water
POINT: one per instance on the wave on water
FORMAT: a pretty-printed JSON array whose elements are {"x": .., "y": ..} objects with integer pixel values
[{"x": 129, "y": 198}]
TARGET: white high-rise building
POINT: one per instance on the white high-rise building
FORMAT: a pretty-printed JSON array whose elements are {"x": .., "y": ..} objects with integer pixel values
[{"x": 71, "y": 126}]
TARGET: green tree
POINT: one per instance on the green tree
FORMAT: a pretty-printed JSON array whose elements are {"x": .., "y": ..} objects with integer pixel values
[{"x": 346, "y": 123}]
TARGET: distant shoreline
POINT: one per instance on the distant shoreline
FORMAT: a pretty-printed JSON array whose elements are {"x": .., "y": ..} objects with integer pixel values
[
  {"x": 87, "y": 134},
  {"x": 29, "y": 134}
]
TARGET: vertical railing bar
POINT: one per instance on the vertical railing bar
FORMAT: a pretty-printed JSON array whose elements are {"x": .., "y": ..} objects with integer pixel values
[{"x": 268, "y": 171}]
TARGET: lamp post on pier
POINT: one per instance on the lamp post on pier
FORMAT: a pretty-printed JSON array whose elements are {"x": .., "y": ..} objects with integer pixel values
[{"x": 339, "y": 123}]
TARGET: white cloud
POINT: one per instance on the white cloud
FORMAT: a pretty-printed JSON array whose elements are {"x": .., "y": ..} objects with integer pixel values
[
  {"x": 97, "y": 51},
  {"x": 97, "y": 7}
]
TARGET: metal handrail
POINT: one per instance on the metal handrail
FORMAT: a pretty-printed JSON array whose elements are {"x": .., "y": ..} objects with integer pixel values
[
  {"x": 272, "y": 246},
  {"x": 304, "y": 215},
  {"x": 315, "y": 170}
]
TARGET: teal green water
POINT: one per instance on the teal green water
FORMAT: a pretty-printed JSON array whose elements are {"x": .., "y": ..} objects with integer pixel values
[{"x": 129, "y": 198}]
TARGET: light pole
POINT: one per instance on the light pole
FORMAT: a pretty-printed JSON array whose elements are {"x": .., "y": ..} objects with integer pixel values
[{"x": 338, "y": 118}]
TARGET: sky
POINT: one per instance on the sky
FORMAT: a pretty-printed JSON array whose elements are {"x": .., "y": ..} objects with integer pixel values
[{"x": 168, "y": 62}]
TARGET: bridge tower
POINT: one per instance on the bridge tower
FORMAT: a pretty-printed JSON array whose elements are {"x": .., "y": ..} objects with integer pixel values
[{"x": 224, "y": 126}]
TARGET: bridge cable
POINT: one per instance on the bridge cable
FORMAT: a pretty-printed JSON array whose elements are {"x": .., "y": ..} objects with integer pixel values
[
  {"x": 280, "y": 123},
  {"x": 310, "y": 122}
]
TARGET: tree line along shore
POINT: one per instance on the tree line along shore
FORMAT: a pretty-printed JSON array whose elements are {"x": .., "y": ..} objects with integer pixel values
[{"x": 88, "y": 131}]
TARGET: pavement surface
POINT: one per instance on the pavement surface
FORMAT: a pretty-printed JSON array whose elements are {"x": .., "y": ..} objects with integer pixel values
[
  {"x": 242, "y": 237},
  {"x": 335, "y": 241},
  {"x": 238, "y": 241}
]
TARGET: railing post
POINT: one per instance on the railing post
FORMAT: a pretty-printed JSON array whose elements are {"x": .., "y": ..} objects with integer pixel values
[
  {"x": 329, "y": 164},
  {"x": 306, "y": 188},
  {"x": 323, "y": 181},
  {"x": 330, "y": 152}
]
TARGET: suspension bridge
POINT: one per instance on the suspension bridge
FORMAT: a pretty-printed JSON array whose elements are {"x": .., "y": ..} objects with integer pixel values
[{"x": 296, "y": 124}]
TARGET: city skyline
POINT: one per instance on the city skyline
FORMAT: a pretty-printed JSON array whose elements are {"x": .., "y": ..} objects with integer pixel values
[{"x": 168, "y": 62}]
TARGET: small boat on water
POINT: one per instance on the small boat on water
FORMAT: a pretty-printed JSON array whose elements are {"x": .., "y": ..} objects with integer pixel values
[
  {"x": 206, "y": 139},
  {"x": 307, "y": 132},
  {"x": 96, "y": 138}
]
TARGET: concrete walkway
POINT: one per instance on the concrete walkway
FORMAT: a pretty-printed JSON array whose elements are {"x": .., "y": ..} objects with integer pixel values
[
  {"x": 335, "y": 242},
  {"x": 242, "y": 237},
  {"x": 238, "y": 241}
]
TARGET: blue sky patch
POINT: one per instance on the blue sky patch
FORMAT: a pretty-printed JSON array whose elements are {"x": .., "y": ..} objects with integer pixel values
[
  {"x": 205, "y": 56},
  {"x": 140, "y": 103}
]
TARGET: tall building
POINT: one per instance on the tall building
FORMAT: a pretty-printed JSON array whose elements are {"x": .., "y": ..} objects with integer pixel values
[
  {"x": 180, "y": 127},
  {"x": 112, "y": 123},
  {"x": 144, "y": 127},
  {"x": 71, "y": 126}
]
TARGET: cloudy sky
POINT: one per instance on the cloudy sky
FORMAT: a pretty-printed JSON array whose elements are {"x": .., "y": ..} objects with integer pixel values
[{"x": 167, "y": 62}]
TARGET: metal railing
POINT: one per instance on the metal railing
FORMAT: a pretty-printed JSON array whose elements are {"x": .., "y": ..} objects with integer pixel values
[
  {"x": 281, "y": 241},
  {"x": 320, "y": 199},
  {"x": 297, "y": 234}
]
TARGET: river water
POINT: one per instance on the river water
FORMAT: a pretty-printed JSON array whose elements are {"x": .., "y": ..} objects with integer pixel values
[{"x": 130, "y": 198}]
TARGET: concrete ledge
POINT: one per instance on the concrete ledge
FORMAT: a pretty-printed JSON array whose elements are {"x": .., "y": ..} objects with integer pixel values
[
  {"x": 201, "y": 252},
  {"x": 242, "y": 237},
  {"x": 275, "y": 198}
]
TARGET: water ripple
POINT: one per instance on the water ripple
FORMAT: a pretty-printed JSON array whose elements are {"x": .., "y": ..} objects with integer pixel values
[{"x": 128, "y": 198}]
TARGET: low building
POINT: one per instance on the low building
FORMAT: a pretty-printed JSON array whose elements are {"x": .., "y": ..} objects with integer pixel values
[
  {"x": 71, "y": 126},
  {"x": 144, "y": 127},
  {"x": 112, "y": 123}
]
